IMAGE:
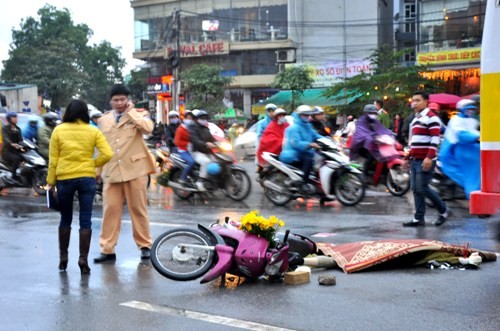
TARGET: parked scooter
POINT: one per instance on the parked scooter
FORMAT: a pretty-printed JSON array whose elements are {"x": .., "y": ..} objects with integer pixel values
[
  {"x": 392, "y": 173},
  {"x": 232, "y": 179},
  {"x": 186, "y": 254},
  {"x": 333, "y": 176},
  {"x": 32, "y": 171}
]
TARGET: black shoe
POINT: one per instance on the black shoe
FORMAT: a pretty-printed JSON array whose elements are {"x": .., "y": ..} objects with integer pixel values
[
  {"x": 414, "y": 223},
  {"x": 442, "y": 217},
  {"x": 105, "y": 258},
  {"x": 145, "y": 253}
]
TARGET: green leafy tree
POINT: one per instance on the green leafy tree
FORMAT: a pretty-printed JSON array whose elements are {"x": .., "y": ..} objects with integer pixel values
[
  {"x": 204, "y": 87},
  {"x": 389, "y": 81},
  {"x": 138, "y": 83},
  {"x": 52, "y": 53},
  {"x": 297, "y": 79},
  {"x": 102, "y": 67}
]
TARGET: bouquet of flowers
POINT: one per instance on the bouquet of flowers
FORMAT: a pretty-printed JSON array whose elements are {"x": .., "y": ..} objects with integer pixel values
[{"x": 257, "y": 224}]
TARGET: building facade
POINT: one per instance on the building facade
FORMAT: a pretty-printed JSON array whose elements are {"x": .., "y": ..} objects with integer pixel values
[
  {"x": 253, "y": 39},
  {"x": 446, "y": 35}
]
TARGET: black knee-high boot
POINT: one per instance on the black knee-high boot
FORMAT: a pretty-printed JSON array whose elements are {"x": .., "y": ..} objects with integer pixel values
[
  {"x": 64, "y": 235},
  {"x": 85, "y": 236}
]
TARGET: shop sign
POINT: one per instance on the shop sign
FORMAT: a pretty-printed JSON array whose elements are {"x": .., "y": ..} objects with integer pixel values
[
  {"x": 153, "y": 85},
  {"x": 202, "y": 49},
  {"x": 450, "y": 56},
  {"x": 326, "y": 74}
]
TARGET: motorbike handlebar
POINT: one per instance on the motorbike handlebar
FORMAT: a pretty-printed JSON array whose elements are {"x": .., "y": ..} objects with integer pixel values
[{"x": 285, "y": 238}]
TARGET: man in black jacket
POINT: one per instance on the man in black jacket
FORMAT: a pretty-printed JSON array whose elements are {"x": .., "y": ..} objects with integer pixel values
[
  {"x": 202, "y": 142},
  {"x": 12, "y": 137},
  {"x": 318, "y": 122}
]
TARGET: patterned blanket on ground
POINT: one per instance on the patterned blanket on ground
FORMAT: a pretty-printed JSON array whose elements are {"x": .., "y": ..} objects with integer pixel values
[{"x": 352, "y": 257}]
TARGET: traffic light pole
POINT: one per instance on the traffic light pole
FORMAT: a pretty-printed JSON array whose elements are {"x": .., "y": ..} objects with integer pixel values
[{"x": 176, "y": 74}]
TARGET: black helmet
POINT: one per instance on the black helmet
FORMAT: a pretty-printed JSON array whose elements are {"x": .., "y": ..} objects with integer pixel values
[
  {"x": 10, "y": 114},
  {"x": 50, "y": 119}
]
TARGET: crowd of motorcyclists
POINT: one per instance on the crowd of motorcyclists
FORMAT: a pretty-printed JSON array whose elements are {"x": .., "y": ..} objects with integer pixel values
[{"x": 295, "y": 143}]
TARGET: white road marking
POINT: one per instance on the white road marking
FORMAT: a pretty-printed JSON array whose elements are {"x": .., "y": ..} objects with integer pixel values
[{"x": 202, "y": 316}]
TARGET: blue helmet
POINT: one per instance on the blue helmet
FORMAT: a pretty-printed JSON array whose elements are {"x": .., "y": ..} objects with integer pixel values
[
  {"x": 10, "y": 114},
  {"x": 213, "y": 169}
]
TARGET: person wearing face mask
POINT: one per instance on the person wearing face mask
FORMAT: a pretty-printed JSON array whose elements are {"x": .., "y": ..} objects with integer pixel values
[
  {"x": 363, "y": 143},
  {"x": 202, "y": 143},
  {"x": 173, "y": 124},
  {"x": 318, "y": 122},
  {"x": 460, "y": 151},
  {"x": 272, "y": 137},
  {"x": 183, "y": 143},
  {"x": 299, "y": 143}
]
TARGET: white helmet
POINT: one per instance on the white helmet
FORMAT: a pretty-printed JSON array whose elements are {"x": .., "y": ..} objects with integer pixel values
[
  {"x": 95, "y": 113},
  {"x": 195, "y": 112},
  {"x": 466, "y": 103},
  {"x": 279, "y": 111},
  {"x": 173, "y": 113},
  {"x": 318, "y": 110},
  {"x": 304, "y": 110},
  {"x": 270, "y": 107}
]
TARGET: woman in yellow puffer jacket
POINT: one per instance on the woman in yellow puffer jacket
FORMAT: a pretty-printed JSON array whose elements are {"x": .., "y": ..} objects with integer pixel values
[{"x": 72, "y": 169}]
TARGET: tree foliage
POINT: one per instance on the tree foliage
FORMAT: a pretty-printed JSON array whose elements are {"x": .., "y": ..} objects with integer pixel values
[
  {"x": 204, "y": 87},
  {"x": 52, "y": 53},
  {"x": 388, "y": 81},
  {"x": 138, "y": 83},
  {"x": 297, "y": 79}
]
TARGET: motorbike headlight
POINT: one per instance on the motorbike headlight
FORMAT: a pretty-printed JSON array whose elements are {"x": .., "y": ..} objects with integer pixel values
[{"x": 225, "y": 146}]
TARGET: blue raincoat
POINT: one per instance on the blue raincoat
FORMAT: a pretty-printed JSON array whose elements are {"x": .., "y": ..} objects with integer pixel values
[
  {"x": 460, "y": 153},
  {"x": 297, "y": 138}
]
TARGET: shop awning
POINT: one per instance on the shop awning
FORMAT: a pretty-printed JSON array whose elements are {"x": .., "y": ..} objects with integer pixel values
[{"x": 312, "y": 97}]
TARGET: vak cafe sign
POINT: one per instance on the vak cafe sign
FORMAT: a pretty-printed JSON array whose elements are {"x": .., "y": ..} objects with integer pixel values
[{"x": 202, "y": 49}]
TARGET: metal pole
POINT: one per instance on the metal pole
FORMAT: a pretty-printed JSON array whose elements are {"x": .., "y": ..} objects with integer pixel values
[{"x": 176, "y": 73}]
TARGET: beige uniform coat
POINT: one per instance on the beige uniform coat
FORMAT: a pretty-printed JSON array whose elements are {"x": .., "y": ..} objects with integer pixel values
[{"x": 131, "y": 158}]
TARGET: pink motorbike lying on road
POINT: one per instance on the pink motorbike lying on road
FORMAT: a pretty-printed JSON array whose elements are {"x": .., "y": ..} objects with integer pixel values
[{"x": 186, "y": 254}]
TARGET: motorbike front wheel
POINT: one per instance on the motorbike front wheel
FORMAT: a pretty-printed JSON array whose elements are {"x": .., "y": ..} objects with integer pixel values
[
  {"x": 349, "y": 188},
  {"x": 182, "y": 254},
  {"x": 397, "y": 189},
  {"x": 176, "y": 176},
  {"x": 39, "y": 181},
  {"x": 238, "y": 186},
  {"x": 277, "y": 197}
]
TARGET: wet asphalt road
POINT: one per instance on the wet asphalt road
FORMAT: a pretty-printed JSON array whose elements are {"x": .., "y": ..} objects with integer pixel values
[{"x": 131, "y": 295}]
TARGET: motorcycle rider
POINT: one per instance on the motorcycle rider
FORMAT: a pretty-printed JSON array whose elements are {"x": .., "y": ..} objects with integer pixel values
[
  {"x": 318, "y": 122},
  {"x": 299, "y": 145},
  {"x": 95, "y": 115},
  {"x": 12, "y": 137},
  {"x": 363, "y": 143},
  {"x": 202, "y": 142},
  {"x": 460, "y": 152},
  {"x": 261, "y": 126},
  {"x": 272, "y": 138},
  {"x": 31, "y": 131},
  {"x": 45, "y": 133},
  {"x": 263, "y": 123},
  {"x": 173, "y": 124},
  {"x": 182, "y": 141}
]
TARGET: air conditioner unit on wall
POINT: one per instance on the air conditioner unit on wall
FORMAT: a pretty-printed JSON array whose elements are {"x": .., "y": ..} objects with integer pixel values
[{"x": 285, "y": 56}]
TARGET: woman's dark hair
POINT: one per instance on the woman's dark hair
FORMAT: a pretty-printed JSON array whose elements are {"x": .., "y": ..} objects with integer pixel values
[
  {"x": 76, "y": 110},
  {"x": 119, "y": 89}
]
